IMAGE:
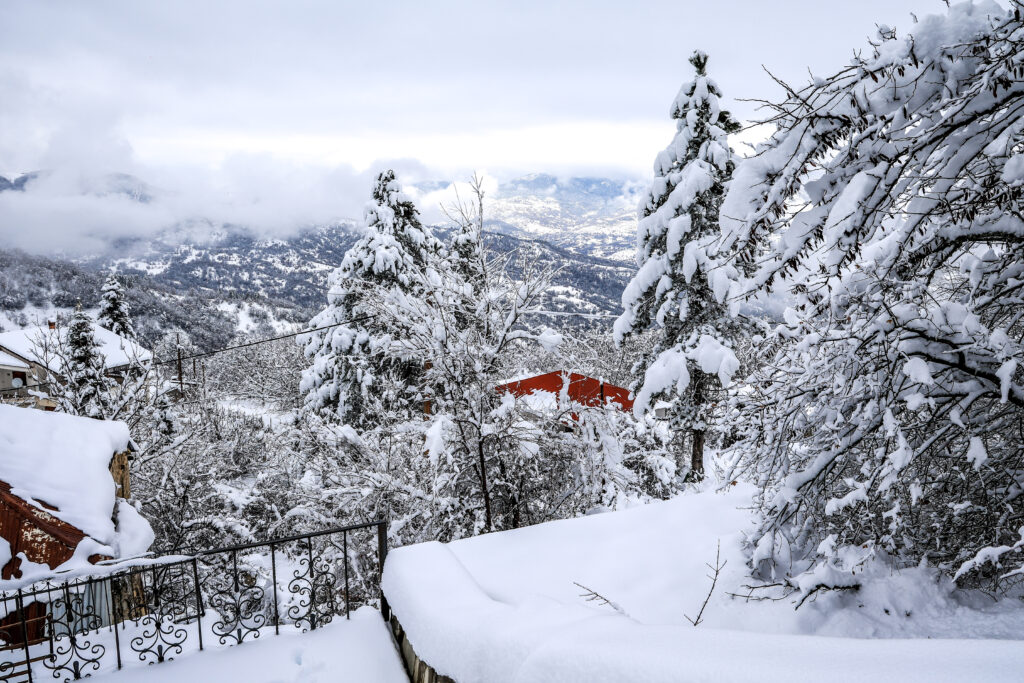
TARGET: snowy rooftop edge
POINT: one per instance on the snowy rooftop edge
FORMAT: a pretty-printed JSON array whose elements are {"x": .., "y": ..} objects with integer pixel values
[
  {"x": 116, "y": 350},
  {"x": 63, "y": 460}
]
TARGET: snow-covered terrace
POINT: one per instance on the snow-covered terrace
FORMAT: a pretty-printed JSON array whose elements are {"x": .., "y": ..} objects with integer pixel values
[
  {"x": 509, "y": 607},
  {"x": 358, "y": 650}
]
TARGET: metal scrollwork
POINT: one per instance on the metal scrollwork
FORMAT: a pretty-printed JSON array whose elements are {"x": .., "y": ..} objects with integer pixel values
[
  {"x": 314, "y": 584},
  {"x": 160, "y": 639},
  {"x": 74, "y": 656},
  {"x": 164, "y": 608},
  {"x": 8, "y": 666},
  {"x": 241, "y": 614},
  {"x": 240, "y": 608}
]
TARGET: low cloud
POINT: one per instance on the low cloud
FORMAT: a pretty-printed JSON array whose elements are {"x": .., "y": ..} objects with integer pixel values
[
  {"x": 76, "y": 212},
  {"x": 79, "y": 210}
]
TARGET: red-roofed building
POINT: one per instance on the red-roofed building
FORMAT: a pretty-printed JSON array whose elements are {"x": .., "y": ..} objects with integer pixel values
[{"x": 581, "y": 389}]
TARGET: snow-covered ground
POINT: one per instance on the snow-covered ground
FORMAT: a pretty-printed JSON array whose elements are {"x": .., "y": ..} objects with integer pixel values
[
  {"x": 360, "y": 649},
  {"x": 507, "y": 607}
]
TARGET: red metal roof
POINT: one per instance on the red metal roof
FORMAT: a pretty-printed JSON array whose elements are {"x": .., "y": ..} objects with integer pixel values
[
  {"x": 43, "y": 538},
  {"x": 582, "y": 389}
]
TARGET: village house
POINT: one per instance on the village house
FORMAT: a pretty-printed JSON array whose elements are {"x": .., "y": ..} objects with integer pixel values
[
  {"x": 543, "y": 392},
  {"x": 28, "y": 357},
  {"x": 63, "y": 485}
]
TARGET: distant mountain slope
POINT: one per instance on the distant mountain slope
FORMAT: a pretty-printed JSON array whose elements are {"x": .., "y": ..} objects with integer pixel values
[
  {"x": 212, "y": 281},
  {"x": 294, "y": 271},
  {"x": 592, "y": 216},
  {"x": 34, "y": 289}
]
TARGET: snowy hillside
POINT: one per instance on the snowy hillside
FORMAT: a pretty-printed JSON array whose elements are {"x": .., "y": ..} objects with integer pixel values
[
  {"x": 593, "y": 216},
  {"x": 34, "y": 289}
]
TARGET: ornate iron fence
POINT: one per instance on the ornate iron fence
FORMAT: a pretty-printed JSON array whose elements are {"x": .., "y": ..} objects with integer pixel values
[{"x": 156, "y": 609}]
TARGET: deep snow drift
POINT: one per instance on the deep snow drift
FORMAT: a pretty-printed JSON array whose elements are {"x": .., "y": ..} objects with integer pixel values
[
  {"x": 506, "y": 607},
  {"x": 360, "y": 649}
]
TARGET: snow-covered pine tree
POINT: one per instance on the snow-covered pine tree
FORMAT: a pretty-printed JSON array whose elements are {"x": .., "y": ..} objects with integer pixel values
[
  {"x": 361, "y": 363},
  {"x": 468, "y": 327},
  {"x": 678, "y": 221},
  {"x": 466, "y": 247},
  {"x": 887, "y": 205},
  {"x": 81, "y": 386},
  {"x": 114, "y": 314}
]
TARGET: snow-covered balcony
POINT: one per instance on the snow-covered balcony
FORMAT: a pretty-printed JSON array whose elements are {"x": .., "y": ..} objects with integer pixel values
[{"x": 609, "y": 597}]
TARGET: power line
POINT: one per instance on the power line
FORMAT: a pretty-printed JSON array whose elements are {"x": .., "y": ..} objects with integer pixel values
[
  {"x": 206, "y": 354},
  {"x": 26, "y": 387},
  {"x": 256, "y": 342}
]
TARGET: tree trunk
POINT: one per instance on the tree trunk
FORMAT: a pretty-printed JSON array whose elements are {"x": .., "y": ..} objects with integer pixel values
[
  {"x": 697, "y": 456},
  {"x": 483, "y": 485},
  {"x": 700, "y": 396}
]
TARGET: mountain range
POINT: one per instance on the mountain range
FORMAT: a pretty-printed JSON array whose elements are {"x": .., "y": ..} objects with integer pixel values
[{"x": 584, "y": 227}]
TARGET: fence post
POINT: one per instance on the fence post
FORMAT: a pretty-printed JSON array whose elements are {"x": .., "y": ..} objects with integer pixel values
[
  {"x": 199, "y": 602},
  {"x": 312, "y": 587},
  {"x": 382, "y": 553},
  {"x": 116, "y": 597},
  {"x": 24, "y": 634},
  {"x": 273, "y": 571},
  {"x": 344, "y": 551}
]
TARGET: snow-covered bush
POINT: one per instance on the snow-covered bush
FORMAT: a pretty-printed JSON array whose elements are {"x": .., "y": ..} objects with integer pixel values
[{"x": 887, "y": 205}]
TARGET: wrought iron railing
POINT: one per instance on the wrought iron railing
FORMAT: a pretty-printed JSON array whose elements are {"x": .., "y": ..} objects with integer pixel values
[{"x": 156, "y": 609}]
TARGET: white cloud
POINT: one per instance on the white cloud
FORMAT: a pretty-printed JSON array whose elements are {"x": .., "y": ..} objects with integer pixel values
[{"x": 273, "y": 115}]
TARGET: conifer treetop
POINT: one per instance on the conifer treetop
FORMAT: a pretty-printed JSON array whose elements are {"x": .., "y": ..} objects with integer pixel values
[
  {"x": 395, "y": 243},
  {"x": 681, "y": 205},
  {"x": 114, "y": 313}
]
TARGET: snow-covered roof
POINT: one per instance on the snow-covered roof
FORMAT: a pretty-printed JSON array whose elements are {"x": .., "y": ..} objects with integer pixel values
[
  {"x": 9, "y": 361},
  {"x": 540, "y": 401},
  {"x": 116, "y": 350},
  {"x": 542, "y": 392},
  {"x": 63, "y": 461}
]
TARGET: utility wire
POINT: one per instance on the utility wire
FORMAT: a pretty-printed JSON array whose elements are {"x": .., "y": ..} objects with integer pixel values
[
  {"x": 256, "y": 342},
  {"x": 206, "y": 354}
]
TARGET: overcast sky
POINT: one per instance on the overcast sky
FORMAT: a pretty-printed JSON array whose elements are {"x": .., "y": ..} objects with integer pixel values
[{"x": 278, "y": 111}]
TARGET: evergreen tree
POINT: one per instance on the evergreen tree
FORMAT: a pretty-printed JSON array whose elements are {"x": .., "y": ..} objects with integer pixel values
[
  {"x": 82, "y": 387},
  {"x": 113, "y": 313},
  {"x": 466, "y": 248},
  {"x": 361, "y": 363},
  {"x": 678, "y": 222}
]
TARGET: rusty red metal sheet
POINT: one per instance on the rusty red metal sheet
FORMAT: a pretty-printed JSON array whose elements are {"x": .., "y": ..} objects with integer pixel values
[
  {"x": 582, "y": 389},
  {"x": 42, "y": 537}
]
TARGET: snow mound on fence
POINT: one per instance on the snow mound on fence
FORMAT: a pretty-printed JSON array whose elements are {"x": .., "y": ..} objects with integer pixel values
[{"x": 508, "y": 607}]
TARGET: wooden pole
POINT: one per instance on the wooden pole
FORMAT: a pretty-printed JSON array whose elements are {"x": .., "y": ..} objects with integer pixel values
[{"x": 181, "y": 382}]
